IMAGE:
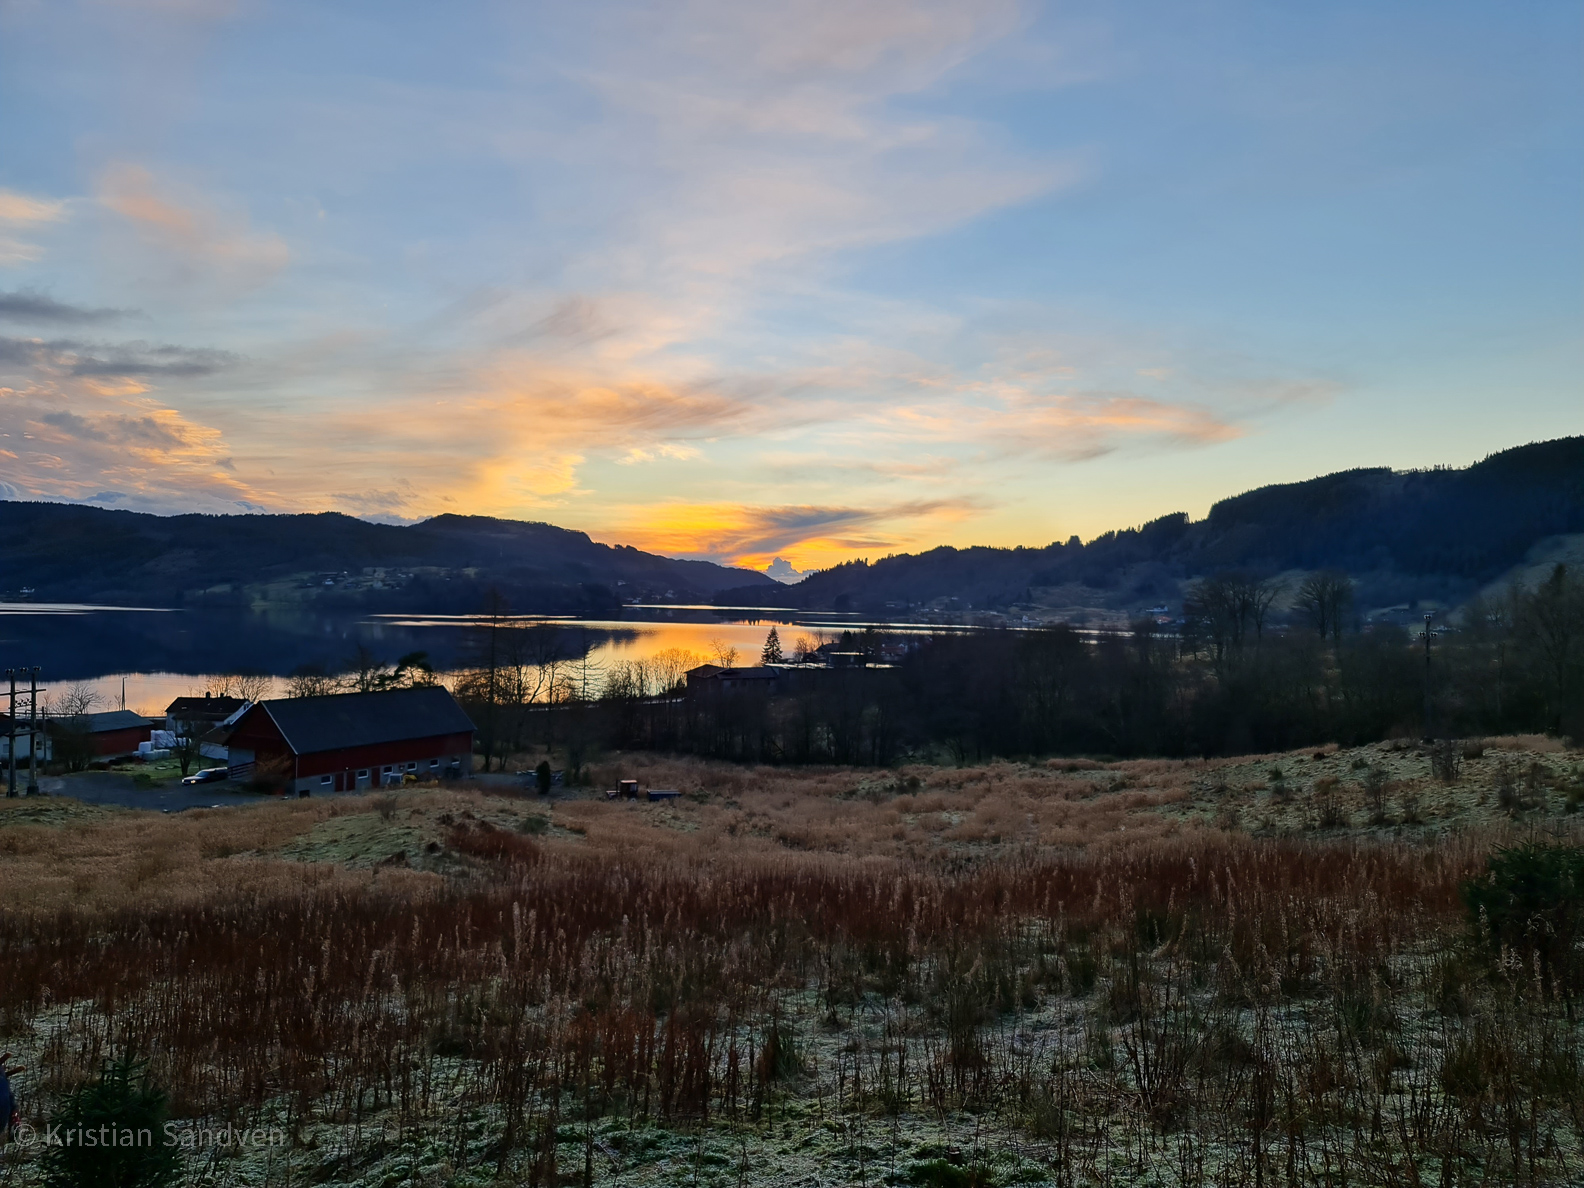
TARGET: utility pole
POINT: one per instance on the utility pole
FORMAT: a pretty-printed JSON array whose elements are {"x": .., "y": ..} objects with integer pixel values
[
  {"x": 35, "y": 733},
  {"x": 11, "y": 746},
  {"x": 1429, "y": 701}
]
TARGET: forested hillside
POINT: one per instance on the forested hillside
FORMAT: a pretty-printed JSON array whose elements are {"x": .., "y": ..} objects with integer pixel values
[
  {"x": 67, "y": 552},
  {"x": 1435, "y": 534}
]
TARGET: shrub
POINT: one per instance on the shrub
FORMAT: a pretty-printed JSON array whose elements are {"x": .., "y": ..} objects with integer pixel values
[
  {"x": 1410, "y": 809},
  {"x": 780, "y": 1059},
  {"x": 939, "y": 1173},
  {"x": 1328, "y": 808},
  {"x": 1446, "y": 760},
  {"x": 1375, "y": 793},
  {"x": 125, "y": 1106},
  {"x": 1532, "y": 900},
  {"x": 1507, "y": 794}
]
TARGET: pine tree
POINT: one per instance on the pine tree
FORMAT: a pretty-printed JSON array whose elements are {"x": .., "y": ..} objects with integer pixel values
[{"x": 772, "y": 648}]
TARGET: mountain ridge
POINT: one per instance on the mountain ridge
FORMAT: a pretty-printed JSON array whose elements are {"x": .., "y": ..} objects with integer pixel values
[
  {"x": 71, "y": 552},
  {"x": 1405, "y": 536},
  {"x": 1438, "y": 535}
]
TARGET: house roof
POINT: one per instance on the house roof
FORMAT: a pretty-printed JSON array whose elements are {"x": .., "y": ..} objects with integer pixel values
[
  {"x": 311, "y": 724},
  {"x": 210, "y": 707},
  {"x": 112, "y": 720},
  {"x": 714, "y": 672}
]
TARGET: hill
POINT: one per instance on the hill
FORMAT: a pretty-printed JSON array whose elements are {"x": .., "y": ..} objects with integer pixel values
[
  {"x": 67, "y": 552},
  {"x": 1435, "y": 535}
]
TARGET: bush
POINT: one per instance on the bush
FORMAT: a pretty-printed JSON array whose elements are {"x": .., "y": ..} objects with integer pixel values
[
  {"x": 122, "y": 1115},
  {"x": 1375, "y": 793},
  {"x": 1532, "y": 900},
  {"x": 940, "y": 1173}
]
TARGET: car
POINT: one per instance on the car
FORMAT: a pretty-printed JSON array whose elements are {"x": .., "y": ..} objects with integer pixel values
[{"x": 207, "y": 776}]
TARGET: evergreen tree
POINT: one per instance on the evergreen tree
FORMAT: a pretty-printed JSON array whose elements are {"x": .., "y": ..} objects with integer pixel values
[
  {"x": 772, "y": 648},
  {"x": 126, "y": 1114}
]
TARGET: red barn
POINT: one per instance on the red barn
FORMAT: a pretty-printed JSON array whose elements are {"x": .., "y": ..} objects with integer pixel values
[
  {"x": 350, "y": 741},
  {"x": 114, "y": 733}
]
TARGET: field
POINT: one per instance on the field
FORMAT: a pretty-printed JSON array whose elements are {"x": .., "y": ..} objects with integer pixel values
[{"x": 1248, "y": 971}]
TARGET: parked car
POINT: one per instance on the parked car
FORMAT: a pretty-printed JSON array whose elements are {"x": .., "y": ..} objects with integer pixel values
[{"x": 207, "y": 776}]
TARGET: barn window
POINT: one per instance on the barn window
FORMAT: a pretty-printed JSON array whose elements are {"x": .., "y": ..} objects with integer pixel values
[
  {"x": 324, "y": 779},
  {"x": 434, "y": 763},
  {"x": 363, "y": 775}
]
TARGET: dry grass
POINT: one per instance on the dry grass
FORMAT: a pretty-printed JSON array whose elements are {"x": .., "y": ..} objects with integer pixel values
[{"x": 1143, "y": 954}]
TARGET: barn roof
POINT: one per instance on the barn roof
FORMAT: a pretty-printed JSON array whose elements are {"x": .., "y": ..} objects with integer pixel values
[
  {"x": 102, "y": 723},
  {"x": 311, "y": 724}
]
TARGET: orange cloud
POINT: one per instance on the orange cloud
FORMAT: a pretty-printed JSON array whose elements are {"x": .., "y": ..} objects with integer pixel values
[
  {"x": 199, "y": 241},
  {"x": 69, "y": 442},
  {"x": 512, "y": 437},
  {"x": 808, "y": 536}
]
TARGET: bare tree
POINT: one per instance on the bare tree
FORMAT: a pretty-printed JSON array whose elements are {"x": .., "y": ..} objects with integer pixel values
[
  {"x": 188, "y": 746},
  {"x": 249, "y": 686},
  {"x": 1226, "y": 607},
  {"x": 310, "y": 680},
  {"x": 69, "y": 708},
  {"x": 1551, "y": 626},
  {"x": 1324, "y": 598},
  {"x": 724, "y": 654},
  {"x": 254, "y": 686},
  {"x": 72, "y": 702},
  {"x": 670, "y": 667},
  {"x": 365, "y": 673}
]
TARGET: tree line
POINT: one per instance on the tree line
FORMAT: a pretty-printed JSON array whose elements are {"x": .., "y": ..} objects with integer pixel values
[{"x": 1235, "y": 676}]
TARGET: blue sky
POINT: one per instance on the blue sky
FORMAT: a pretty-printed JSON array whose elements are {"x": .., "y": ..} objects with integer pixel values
[{"x": 813, "y": 280}]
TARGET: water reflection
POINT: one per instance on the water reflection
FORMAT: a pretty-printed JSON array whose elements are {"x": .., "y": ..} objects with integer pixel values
[{"x": 156, "y": 655}]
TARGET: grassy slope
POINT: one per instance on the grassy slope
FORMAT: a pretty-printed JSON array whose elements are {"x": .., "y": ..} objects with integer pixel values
[{"x": 408, "y": 845}]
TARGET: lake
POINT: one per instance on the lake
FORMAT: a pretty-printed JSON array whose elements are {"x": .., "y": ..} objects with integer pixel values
[{"x": 143, "y": 658}]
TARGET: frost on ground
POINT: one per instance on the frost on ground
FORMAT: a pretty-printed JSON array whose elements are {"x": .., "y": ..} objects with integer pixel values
[{"x": 1261, "y": 970}]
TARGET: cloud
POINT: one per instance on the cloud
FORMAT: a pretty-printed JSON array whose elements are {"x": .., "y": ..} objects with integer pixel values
[
  {"x": 16, "y": 207},
  {"x": 29, "y": 305},
  {"x": 780, "y": 137},
  {"x": 195, "y": 242},
  {"x": 754, "y": 536},
  {"x": 62, "y": 439},
  {"x": 149, "y": 430},
  {"x": 1071, "y": 427},
  {"x": 676, "y": 450},
  {"x": 128, "y": 360}
]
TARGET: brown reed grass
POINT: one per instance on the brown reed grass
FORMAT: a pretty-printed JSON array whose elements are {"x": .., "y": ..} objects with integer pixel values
[{"x": 1255, "y": 994}]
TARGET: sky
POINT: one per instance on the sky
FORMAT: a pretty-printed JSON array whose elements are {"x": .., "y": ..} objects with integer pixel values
[{"x": 802, "y": 280}]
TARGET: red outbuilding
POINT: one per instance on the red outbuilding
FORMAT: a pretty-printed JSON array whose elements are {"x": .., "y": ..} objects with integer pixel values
[
  {"x": 349, "y": 741},
  {"x": 114, "y": 734}
]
